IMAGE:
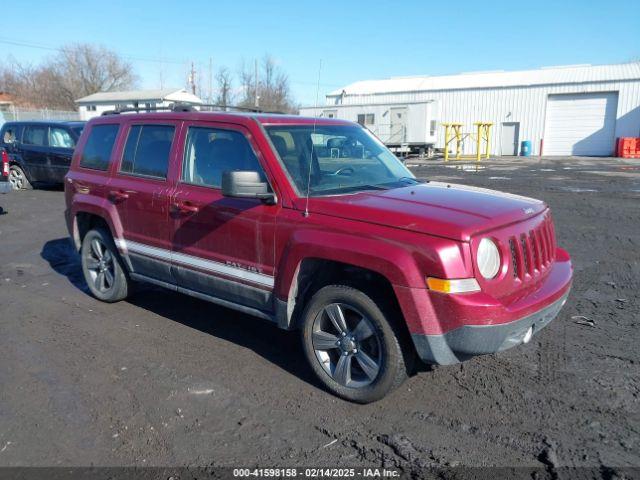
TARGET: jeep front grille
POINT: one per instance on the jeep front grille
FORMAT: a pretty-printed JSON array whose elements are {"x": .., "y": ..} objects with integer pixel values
[
  {"x": 532, "y": 252},
  {"x": 514, "y": 263}
]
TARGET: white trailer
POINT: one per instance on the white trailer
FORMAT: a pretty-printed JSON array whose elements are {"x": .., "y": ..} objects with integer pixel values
[{"x": 403, "y": 127}]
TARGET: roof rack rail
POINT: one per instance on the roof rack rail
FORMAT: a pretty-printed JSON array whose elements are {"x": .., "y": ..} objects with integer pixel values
[
  {"x": 173, "y": 107},
  {"x": 186, "y": 107},
  {"x": 239, "y": 108}
]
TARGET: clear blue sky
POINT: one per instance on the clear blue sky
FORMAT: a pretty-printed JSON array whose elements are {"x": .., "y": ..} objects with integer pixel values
[{"x": 356, "y": 40}]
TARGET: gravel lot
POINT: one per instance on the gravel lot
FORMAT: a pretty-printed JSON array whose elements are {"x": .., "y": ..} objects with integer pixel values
[{"x": 165, "y": 379}]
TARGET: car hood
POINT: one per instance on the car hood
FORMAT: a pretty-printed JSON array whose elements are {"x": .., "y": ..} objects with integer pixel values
[{"x": 446, "y": 210}]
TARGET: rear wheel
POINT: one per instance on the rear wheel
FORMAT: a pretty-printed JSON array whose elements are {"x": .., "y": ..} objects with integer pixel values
[
  {"x": 102, "y": 267},
  {"x": 351, "y": 345},
  {"x": 18, "y": 179}
]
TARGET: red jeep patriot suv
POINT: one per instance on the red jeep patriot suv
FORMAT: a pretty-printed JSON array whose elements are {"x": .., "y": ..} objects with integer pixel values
[{"x": 314, "y": 225}]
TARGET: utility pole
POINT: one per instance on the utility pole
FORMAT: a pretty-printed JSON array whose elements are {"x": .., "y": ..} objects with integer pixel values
[
  {"x": 257, "y": 97},
  {"x": 192, "y": 78},
  {"x": 161, "y": 74}
]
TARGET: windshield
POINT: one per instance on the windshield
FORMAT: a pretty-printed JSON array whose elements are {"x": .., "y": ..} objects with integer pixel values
[{"x": 336, "y": 159}]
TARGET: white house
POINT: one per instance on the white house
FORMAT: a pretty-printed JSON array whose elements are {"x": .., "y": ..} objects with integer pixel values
[
  {"x": 93, "y": 105},
  {"x": 568, "y": 110}
]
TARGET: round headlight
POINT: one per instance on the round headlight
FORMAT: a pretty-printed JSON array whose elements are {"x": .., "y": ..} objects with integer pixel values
[{"x": 488, "y": 258}]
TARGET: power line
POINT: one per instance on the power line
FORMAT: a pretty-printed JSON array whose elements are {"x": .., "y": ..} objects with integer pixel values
[
  {"x": 315, "y": 84},
  {"x": 40, "y": 46}
]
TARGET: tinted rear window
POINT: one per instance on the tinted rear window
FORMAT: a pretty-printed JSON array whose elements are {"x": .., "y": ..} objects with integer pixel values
[
  {"x": 35, "y": 135},
  {"x": 97, "y": 151},
  {"x": 60, "y": 138},
  {"x": 147, "y": 150}
]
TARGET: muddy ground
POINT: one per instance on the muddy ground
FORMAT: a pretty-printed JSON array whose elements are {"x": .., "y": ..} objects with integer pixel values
[{"x": 165, "y": 379}]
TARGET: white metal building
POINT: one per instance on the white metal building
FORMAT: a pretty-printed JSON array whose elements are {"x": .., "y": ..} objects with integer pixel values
[
  {"x": 93, "y": 105},
  {"x": 568, "y": 110}
]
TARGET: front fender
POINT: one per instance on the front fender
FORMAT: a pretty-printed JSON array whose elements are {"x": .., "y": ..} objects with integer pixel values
[
  {"x": 391, "y": 261},
  {"x": 402, "y": 257}
]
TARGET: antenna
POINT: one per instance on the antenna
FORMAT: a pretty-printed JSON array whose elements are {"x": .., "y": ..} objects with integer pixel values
[{"x": 315, "y": 121}]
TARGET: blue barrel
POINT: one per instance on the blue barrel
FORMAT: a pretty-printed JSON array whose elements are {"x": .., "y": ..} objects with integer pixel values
[{"x": 525, "y": 148}]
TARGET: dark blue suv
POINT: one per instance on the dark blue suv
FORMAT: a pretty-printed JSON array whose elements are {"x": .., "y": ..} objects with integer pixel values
[{"x": 39, "y": 151}]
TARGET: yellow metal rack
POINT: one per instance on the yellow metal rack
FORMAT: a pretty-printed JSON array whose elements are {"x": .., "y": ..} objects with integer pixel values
[{"x": 453, "y": 131}]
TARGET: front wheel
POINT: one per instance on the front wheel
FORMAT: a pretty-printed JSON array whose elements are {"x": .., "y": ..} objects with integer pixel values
[
  {"x": 102, "y": 267},
  {"x": 351, "y": 345}
]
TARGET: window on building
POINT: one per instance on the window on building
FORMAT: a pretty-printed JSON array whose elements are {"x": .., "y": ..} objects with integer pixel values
[
  {"x": 61, "y": 138},
  {"x": 366, "y": 119},
  {"x": 211, "y": 151},
  {"x": 97, "y": 151},
  {"x": 91, "y": 108},
  {"x": 147, "y": 150},
  {"x": 35, "y": 135}
]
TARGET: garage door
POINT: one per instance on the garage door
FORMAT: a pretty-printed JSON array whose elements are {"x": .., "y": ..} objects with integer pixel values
[{"x": 581, "y": 124}]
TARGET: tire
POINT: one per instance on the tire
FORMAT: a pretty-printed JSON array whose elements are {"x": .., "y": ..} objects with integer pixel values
[
  {"x": 343, "y": 366},
  {"x": 102, "y": 267},
  {"x": 18, "y": 178}
]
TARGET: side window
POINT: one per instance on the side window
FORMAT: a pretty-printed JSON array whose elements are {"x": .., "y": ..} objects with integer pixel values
[
  {"x": 35, "y": 135},
  {"x": 97, "y": 151},
  {"x": 60, "y": 137},
  {"x": 10, "y": 135},
  {"x": 210, "y": 151},
  {"x": 147, "y": 150}
]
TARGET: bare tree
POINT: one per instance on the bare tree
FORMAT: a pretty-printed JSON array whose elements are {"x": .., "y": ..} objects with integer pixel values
[
  {"x": 247, "y": 84},
  {"x": 21, "y": 82},
  {"x": 224, "y": 87},
  {"x": 76, "y": 71},
  {"x": 273, "y": 89},
  {"x": 83, "y": 69}
]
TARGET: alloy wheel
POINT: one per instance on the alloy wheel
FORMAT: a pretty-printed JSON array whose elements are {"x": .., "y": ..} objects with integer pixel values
[
  {"x": 16, "y": 178},
  {"x": 100, "y": 265},
  {"x": 347, "y": 345}
]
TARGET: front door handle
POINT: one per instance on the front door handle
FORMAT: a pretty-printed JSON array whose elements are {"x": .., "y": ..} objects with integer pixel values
[
  {"x": 118, "y": 195},
  {"x": 185, "y": 207}
]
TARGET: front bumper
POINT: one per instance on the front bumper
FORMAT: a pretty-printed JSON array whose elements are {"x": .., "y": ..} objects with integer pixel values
[
  {"x": 468, "y": 341},
  {"x": 5, "y": 187}
]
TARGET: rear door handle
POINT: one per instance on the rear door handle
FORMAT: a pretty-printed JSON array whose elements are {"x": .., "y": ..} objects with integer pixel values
[
  {"x": 185, "y": 207},
  {"x": 118, "y": 195}
]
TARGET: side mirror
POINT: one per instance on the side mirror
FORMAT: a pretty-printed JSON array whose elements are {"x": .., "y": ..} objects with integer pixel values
[{"x": 246, "y": 184}]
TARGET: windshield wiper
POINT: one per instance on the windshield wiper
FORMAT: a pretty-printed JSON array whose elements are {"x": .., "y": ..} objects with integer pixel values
[
  {"x": 373, "y": 187},
  {"x": 402, "y": 180},
  {"x": 353, "y": 188},
  {"x": 366, "y": 187},
  {"x": 413, "y": 179}
]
